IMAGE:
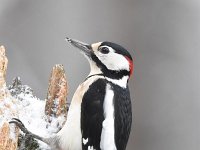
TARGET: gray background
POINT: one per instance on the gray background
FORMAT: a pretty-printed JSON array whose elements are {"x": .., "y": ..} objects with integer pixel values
[{"x": 165, "y": 37}]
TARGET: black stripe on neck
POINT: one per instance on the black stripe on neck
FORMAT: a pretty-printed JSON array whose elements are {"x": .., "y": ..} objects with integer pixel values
[
  {"x": 109, "y": 73},
  {"x": 100, "y": 74}
]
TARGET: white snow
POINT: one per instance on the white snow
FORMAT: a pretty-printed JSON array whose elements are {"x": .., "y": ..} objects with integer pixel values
[
  {"x": 6, "y": 114},
  {"x": 31, "y": 113}
]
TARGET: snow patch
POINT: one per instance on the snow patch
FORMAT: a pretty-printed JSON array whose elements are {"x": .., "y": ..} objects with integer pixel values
[{"x": 31, "y": 111}]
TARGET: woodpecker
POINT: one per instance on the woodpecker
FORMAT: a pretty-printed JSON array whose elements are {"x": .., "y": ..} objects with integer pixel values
[{"x": 100, "y": 114}]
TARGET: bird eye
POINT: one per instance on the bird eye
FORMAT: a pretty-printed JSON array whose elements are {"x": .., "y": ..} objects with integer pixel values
[{"x": 104, "y": 50}]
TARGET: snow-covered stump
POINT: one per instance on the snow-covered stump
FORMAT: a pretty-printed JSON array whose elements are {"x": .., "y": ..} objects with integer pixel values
[
  {"x": 56, "y": 101},
  {"x": 18, "y": 101},
  {"x": 8, "y": 134}
]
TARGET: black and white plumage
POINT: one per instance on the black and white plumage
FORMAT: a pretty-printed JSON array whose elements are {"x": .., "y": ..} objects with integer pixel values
[
  {"x": 106, "y": 121},
  {"x": 100, "y": 115},
  {"x": 104, "y": 106}
]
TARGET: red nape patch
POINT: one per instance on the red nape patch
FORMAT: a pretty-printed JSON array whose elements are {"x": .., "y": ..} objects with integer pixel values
[{"x": 131, "y": 65}]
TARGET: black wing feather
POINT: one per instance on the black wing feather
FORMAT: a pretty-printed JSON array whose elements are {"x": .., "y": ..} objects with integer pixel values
[
  {"x": 123, "y": 116},
  {"x": 92, "y": 114}
]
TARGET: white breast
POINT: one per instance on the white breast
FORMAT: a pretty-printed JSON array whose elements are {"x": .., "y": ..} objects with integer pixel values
[{"x": 107, "y": 135}]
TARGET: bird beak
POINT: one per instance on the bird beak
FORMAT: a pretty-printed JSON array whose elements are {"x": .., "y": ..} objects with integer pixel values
[{"x": 85, "y": 48}]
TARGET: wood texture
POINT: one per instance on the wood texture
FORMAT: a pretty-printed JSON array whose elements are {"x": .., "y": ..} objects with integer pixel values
[
  {"x": 56, "y": 101},
  {"x": 8, "y": 134}
]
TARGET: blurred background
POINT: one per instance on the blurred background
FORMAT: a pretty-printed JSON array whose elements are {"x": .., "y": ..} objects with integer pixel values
[{"x": 163, "y": 36}]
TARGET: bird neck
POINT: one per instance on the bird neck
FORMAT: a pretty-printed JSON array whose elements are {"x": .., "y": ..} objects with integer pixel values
[
  {"x": 99, "y": 74},
  {"x": 122, "y": 82},
  {"x": 120, "y": 77}
]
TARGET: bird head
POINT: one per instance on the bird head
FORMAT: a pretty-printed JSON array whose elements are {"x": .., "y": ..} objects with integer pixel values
[{"x": 107, "y": 58}]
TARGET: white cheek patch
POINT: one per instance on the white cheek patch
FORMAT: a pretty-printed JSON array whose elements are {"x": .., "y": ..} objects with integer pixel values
[{"x": 113, "y": 61}]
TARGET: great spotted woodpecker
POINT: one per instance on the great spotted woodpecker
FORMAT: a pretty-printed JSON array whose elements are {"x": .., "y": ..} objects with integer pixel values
[{"x": 100, "y": 115}]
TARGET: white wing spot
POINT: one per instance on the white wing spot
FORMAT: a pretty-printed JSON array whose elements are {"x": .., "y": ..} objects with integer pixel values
[
  {"x": 85, "y": 141},
  {"x": 91, "y": 148}
]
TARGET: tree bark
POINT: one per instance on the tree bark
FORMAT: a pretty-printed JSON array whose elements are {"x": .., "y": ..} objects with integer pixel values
[
  {"x": 8, "y": 134},
  {"x": 56, "y": 101}
]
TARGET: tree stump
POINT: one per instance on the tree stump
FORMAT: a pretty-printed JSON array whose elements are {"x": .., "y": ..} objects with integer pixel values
[
  {"x": 56, "y": 101},
  {"x": 8, "y": 134}
]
